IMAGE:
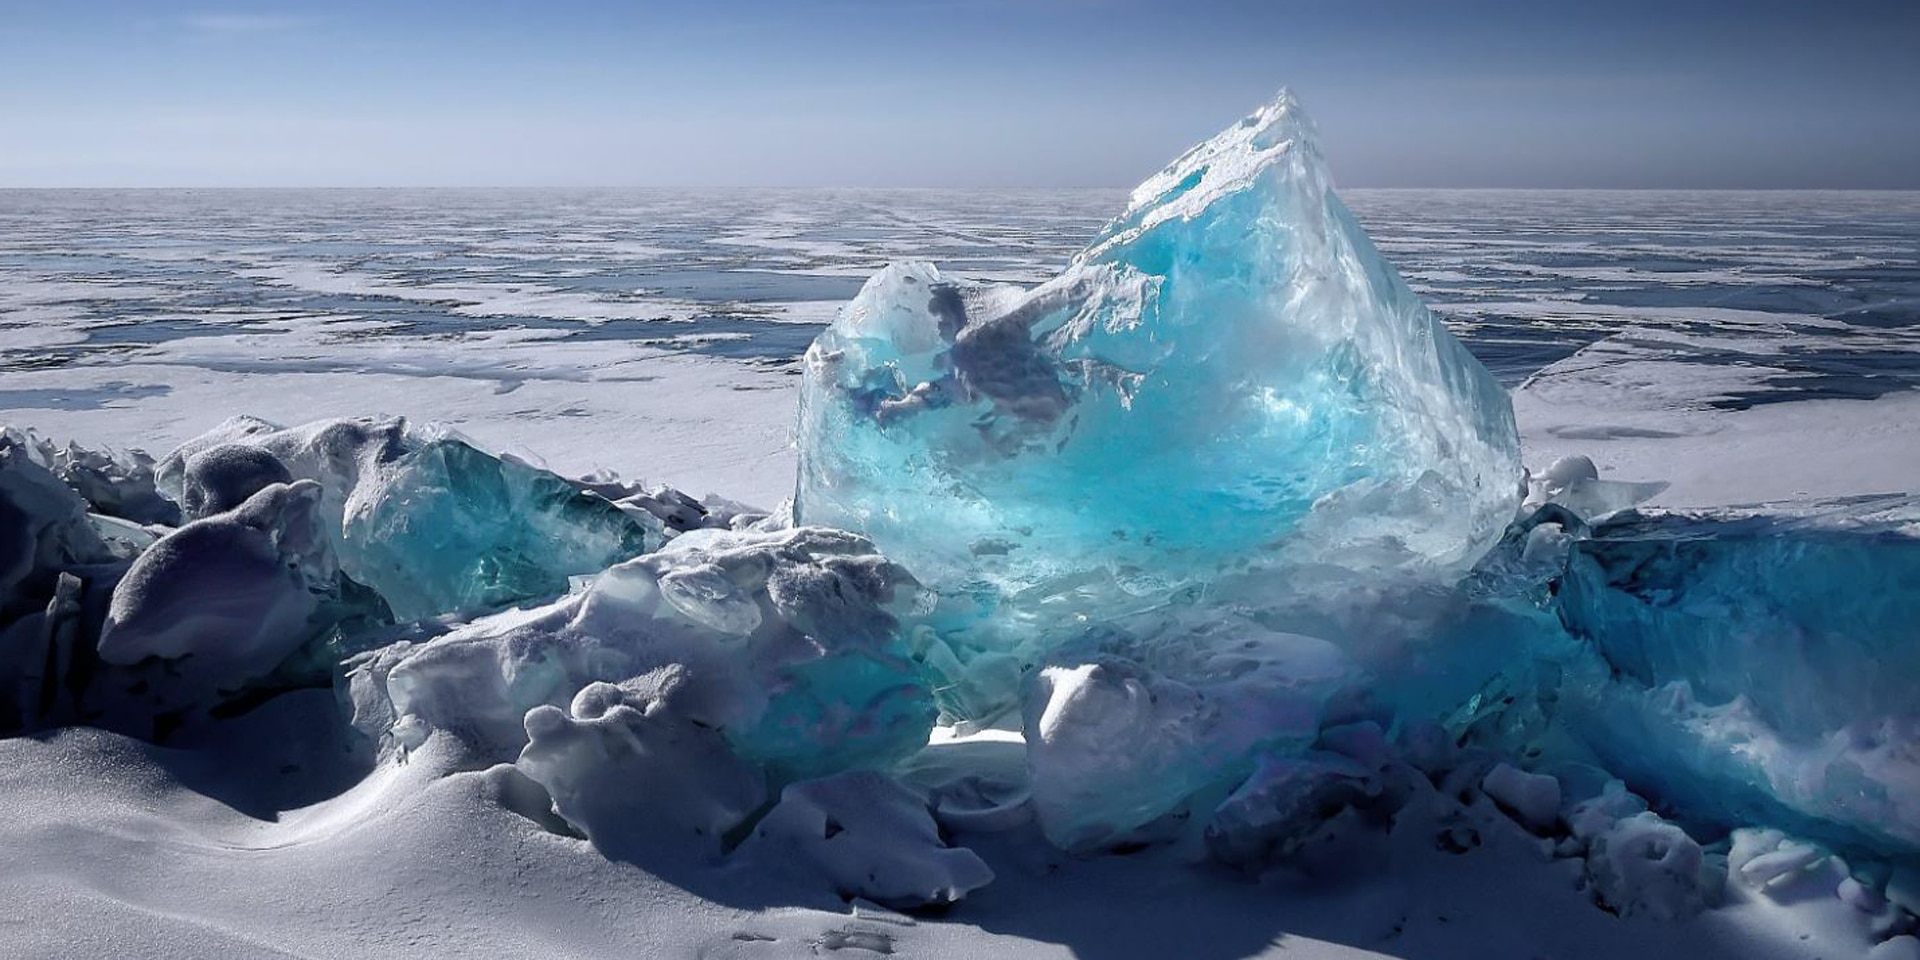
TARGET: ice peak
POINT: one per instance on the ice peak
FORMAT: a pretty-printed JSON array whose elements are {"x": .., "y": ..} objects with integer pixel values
[{"x": 1279, "y": 138}]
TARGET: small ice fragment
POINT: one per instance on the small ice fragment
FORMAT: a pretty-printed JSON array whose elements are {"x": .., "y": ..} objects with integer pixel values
[
  {"x": 1533, "y": 798},
  {"x": 1567, "y": 471},
  {"x": 626, "y": 769},
  {"x": 1644, "y": 864},
  {"x": 1770, "y": 867},
  {"x": 867, "y": 836}
]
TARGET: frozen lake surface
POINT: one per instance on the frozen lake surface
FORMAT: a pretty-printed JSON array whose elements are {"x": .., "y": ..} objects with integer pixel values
[{"x": 655, "y": 334}]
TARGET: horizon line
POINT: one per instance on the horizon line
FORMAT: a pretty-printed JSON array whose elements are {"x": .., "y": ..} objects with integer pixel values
[{"x": 240, "y": 188}]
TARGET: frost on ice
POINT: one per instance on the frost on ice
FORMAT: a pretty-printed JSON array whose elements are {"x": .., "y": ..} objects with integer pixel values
[
  {"x": 1229, "y": 374},
  {"x": 785, "y": 643}
]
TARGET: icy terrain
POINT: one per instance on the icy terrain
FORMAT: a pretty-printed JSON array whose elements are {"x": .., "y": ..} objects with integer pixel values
[{"x": 369, "y": 686}]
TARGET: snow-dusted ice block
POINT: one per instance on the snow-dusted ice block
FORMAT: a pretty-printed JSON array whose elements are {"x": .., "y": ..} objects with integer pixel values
[
  {"x": 636, "y": 776},
  {"x": 430, "y": 522},
  {"x": 449, "y": 528},
  {"x": 1121, "y": 731},
  {"x": 786, "y": 643},
  {"x": 237, "y": 591},
  {"x": 1229, "y": 373}
]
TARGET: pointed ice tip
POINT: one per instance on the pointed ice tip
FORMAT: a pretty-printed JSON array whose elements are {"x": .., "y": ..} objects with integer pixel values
[
  {"x": 1283, "y": 118},
  {"x": 1277, "y": 134}
]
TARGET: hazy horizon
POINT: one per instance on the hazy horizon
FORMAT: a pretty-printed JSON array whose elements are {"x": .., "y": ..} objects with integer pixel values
[
  {"x": 1096, "y": 94},
  {"x": 849, "y": 187}
]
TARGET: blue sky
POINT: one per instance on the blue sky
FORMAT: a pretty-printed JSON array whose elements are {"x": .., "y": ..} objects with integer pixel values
[{"x": 1547, "y": 93}]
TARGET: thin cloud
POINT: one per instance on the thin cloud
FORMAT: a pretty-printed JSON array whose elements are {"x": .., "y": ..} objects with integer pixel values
[{"x": 236, "y": 24}]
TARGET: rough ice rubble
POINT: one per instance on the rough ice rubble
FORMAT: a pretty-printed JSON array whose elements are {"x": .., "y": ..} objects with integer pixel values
[
  {"x": 1122, "y": 730},
  {"x": 49, "y": 557},
  {"x": 43, "y": 523},
  {"x": 869, "y": 837},
  {"x": 660, "y": 706},
  {"x": 262, "y": 570},
  {"x": 786, "y": 642},
  {"x": 430, "y": 522},
  {"x": 1229, "y": 374},
  {"x": 115, "y": 486}
]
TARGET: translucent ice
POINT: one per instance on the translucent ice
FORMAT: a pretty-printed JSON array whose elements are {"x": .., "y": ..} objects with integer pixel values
[
  {"x": 1812, "y": 624},
  {"x": 433, "y": 524},
  {"x": 449, "y": 528},
  {"x": 1756, "y": 669},
  {"x": 1229, "y": 374}
]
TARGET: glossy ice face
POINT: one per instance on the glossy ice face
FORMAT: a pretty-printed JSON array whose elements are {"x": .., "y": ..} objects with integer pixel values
[
  {"x": 1757, "y": 669},
  {"x": 1229, "y": 375}
]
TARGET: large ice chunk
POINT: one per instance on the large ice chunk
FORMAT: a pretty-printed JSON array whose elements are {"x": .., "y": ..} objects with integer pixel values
[
  {"x": 450, "y": 528},
  {"x": 238, "y": 589},
  {"x": 1230, "y": 372}
]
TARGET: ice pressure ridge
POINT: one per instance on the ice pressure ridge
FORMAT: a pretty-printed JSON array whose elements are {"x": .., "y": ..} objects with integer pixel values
[{"x": 1218, "y": 538}]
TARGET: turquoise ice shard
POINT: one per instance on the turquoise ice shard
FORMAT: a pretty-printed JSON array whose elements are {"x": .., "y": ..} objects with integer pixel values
[
  {"x": 1228, "y": 374},
  {"x": 1757, "y": 669},
  {"x": 448, "y": 527}
]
